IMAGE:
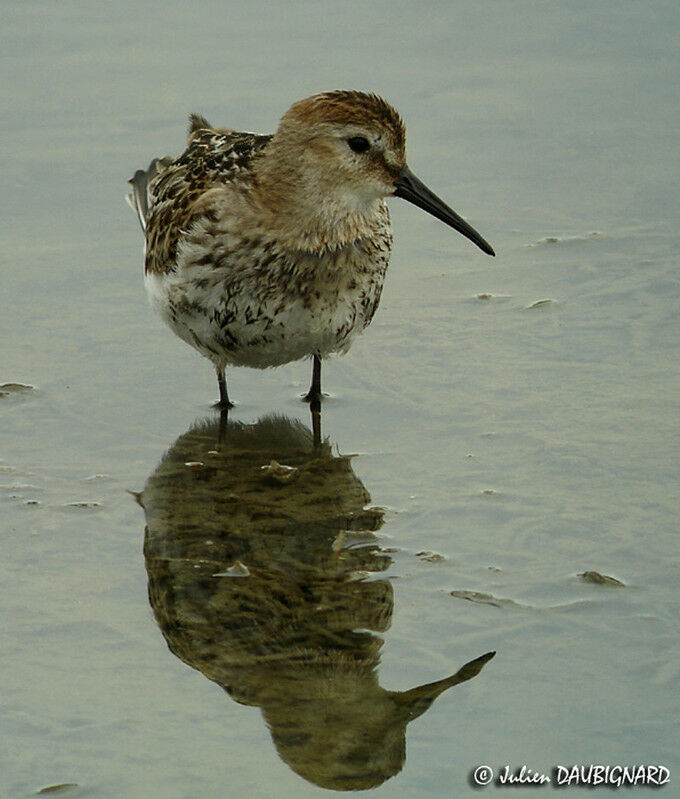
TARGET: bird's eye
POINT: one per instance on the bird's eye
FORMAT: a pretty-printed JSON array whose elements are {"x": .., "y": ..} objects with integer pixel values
[{"x": 358, "y": 144}]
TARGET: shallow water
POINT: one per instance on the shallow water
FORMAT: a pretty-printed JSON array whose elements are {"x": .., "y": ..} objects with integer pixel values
[{"x": 512, "y": 421}]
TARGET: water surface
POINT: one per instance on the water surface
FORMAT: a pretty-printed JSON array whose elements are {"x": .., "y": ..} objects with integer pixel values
[{"x": 512, "y": 421}]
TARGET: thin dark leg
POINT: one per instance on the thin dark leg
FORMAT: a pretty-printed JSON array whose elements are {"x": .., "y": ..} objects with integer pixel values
[
  {"x": 315, "y": 408},
  {"x": 224, "y": 396},
  {"x": 222, "y": 430},
  {"x": 313, "y": 396}
]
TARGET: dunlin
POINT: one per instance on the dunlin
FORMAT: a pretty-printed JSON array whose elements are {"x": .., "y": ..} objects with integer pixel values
[{"x": 262, "y": 250}]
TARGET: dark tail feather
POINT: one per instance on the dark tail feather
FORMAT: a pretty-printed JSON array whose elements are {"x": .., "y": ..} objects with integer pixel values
[{"x": 139, "y": 199}]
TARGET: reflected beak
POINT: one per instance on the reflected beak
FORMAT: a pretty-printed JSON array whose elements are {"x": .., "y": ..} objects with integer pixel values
[
  {"x": 408, "y": 187},
  {"x": 417, "y": 700}
]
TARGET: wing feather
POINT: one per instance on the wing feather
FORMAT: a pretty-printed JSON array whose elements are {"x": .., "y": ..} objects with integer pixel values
[{"x": 165, "y": 194}]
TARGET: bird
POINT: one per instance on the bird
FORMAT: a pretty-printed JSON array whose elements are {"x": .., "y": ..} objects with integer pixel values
[{"x": 266, "y": 249}]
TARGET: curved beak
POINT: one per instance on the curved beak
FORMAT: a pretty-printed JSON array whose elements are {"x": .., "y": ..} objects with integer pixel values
[{"x": 408, "y": 187}]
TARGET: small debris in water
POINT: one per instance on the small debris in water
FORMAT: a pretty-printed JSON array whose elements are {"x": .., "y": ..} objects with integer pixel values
[
  {"x": 83, "y": 505},
  {"x": 553, "y": 240},
  {"x": 279, "y": 473},
  {"x": 62, "y": 787},
  {"x": 484, "y": 296},
  {"x": 9, "y": 389},
  {"x": 194, "y": 464},
  {"x": 478, "y": 598},
  {"x": 539, "y": 304},
  {"x": 488, "y": 599},
  {"x": 430, "y": 557},
  {"x": 237, "y": 569},
  {"x": 595, "y": 578}
]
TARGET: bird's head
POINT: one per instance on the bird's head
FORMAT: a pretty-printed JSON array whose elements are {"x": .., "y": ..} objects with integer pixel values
[{"x": 336, "y": 155}]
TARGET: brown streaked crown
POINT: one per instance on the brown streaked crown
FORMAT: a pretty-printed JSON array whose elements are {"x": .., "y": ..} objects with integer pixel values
[{"x": 345, "y": 107}]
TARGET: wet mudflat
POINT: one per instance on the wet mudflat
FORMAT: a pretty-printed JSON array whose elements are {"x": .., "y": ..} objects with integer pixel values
[{"x": 499, "y": 471}]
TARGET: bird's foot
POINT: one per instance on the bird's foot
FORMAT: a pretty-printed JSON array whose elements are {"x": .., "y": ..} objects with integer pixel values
[
  {"x": 313, "y": 397},
  {"x": 221, "y": 405}
]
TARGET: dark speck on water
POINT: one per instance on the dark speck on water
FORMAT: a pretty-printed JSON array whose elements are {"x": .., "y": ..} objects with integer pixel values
[
  {"x": 595, "y": 578},
  {"x": 62, "y": 787}
]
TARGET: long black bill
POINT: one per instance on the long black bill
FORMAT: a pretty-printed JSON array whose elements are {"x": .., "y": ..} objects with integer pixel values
[{"x": 408, "y": 187}]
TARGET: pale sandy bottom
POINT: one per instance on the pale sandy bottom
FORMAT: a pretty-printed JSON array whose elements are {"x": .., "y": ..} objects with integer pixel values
[{"x": 517, "y": 417}]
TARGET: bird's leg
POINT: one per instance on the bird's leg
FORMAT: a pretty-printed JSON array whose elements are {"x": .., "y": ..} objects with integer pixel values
[
  {"x": 313, "y": 396},
  {"x": 315, "y": 409},
  {"x": 222, "y": 429},
  {"x": 224, "y": 396}
]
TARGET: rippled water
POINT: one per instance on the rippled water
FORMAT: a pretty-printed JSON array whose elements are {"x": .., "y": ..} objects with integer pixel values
[{"x": 504, "y": 432}]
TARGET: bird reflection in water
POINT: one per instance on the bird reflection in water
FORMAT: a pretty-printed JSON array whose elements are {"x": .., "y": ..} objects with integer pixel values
[{"x": 264, "y": 574}]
